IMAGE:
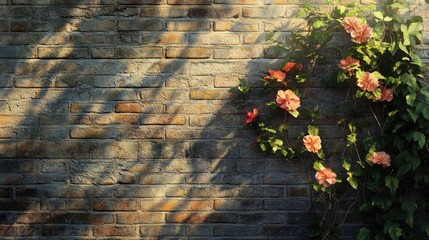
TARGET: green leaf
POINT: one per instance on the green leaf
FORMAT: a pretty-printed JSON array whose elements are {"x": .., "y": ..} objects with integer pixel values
[
  {"x": 263, "y": 147},
  {"x": 410, "y": 99},
  {"x": 392, "y": 183},
  {"x": 425, "y": 227},
  {"x": 420, "y": 138},
  {"x": 269, "y": 35},
  {"x": 346, "y": 163},
  {"x": 352, "y": 180},
  {"x": 317, "y": 165},
  {"x": 364, "y": 233},
  {"x": 378, "y": 14},
  {"x": 409, "y": 219},
  {"x": 393, "y": 230},
  {"x": 318, "y": 24},
  {"x": 409, "y": 206},
  {"x": 294, "y": 113},
  {"x": 411, "y": 33},
  {"x": 313, "y": 130},
  {"x": 414, "y": 116},
  {"x": 282, "y": 128}
]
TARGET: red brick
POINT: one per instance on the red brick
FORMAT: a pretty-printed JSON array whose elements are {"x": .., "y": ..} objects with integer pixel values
[
  {"x": 163, "y": 119},
  {"x": 140, "y": 218},
  {"x": 128, "y": 107},
  {"x": 115, "y": 231},
  {"x": 114, "y": 205}
]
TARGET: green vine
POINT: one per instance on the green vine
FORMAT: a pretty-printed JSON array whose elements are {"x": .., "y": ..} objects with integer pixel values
[{"x": 385, "y": 160}]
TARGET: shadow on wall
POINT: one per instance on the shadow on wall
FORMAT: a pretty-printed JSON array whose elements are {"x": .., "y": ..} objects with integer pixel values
[{"x": 114, "y": 124}]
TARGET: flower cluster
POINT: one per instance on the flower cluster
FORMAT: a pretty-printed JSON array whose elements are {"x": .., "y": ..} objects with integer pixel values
[
  {"x": 359, "y": 31},
  {"x": 280, "y": 76}
]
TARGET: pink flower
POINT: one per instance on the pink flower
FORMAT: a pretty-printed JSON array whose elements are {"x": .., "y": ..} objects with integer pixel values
[
  {"x": 351, "y": 24},
  {"x": 287, "y": 100},
  {"x": 312, "y": 143},
  {"x": 326, "y": 177},
  {"x": 251, "y": 116},
  {"x": 381, "y": 158},
  {"x": 363, "y": 34},
  {"x": 367, "y": 82},
  {"x": 348, "y": 64},
  {"x": 386, "y": 94}
]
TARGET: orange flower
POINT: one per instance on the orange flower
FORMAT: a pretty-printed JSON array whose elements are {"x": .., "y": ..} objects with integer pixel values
[
  {"x": 348, "y": 64},
  {"x": 326, "y": 177},
  {"x": 291, "y": 66},
  {"x": 368, "y": 82},
  {"x": 287, "y": 100},
  {"x": 278, "y": 76},
  {"x": 381, "y": 158},
  {"x": 351, "y": 24},
  {"x": 251, "y": 116},
  {"x": 363, "y": 34},
  {"x": 386, "y": 94},
  {"x": 312, "y": 143}
]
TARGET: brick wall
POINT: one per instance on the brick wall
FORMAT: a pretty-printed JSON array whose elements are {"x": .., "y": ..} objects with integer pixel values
[{"x": 115, "y": 121}]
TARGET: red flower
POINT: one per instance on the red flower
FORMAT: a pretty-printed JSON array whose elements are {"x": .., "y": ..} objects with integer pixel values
[
  {"x": 386, "y": 94},
  {"x": 292, "y": 66},
  {"x": 278, "y": 76},
  {"x": 251, "y": 116}
]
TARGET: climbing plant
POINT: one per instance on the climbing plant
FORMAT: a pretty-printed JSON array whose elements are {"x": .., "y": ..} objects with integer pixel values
[{"x": 384, "y": 160}]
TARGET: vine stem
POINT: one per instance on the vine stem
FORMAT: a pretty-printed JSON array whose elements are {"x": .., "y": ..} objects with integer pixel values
[{"x": 376, "y": 119}]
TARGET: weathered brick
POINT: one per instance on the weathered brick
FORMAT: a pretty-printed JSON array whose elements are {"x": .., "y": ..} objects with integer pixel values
[
  {"x": 115, "y": 119},
  {"x": 176, "y": 205},
  {"x": 62, "y": 52},
  {"x": 232, "y": 230},
  {"x": 115, "y": 231},
  {"x": 141, "y": 2},
  {"x": 140, "y": 192},
  {"x": 266, "y": 12},
  {"x": 215, "y": 39},
  {"x": 246, "y": 2},
  {"x": 209, "y": 94},
  {"x": 189, "y": 2},
  {"x": 90, "y": 132},
  {"x": 161, "y": 149},
  {"x": 191, "y": 52},
  {"x": 127, "y": 52},
  {"x": 163, "y": 119},
  {"x": 140, "y": 25},
  {"x": 203, "y": 12},
  {"x": 140, "y": 218},
  {"x": 242, "y": 26},
  {"x": 164, "y": 38},
  {"x": 65, "y": 230},
  {"x": 188, "y": 26},
  {"x": 161, "y": 231},
  {"x": 163, "y": 12},
  {"x": 19, "y": 231},
  {"x": 237, "y": 53}
]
